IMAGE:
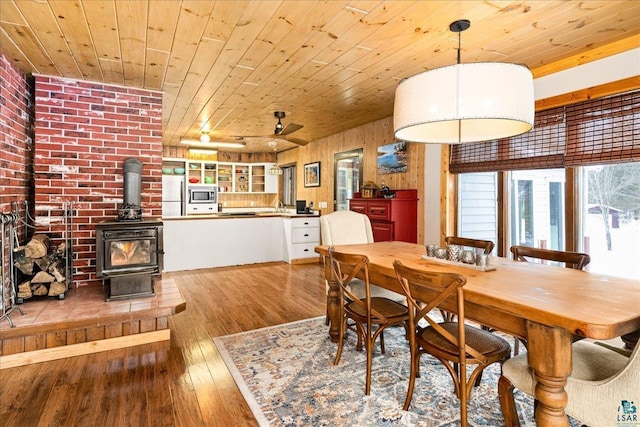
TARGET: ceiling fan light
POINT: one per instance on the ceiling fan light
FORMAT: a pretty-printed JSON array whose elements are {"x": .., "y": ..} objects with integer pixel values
[
  {"x": 279, "y": 127},
  {"x": 205, "y": 137},
  {"x": 275, "y": 170}
]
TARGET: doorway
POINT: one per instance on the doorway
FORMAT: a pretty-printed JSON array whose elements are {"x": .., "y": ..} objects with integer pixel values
[{"x": 347, "y": 177}]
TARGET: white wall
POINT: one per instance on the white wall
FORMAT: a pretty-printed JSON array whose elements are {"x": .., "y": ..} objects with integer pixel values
[
  {"x": 431, "y": 197},
  {"x": 595, "y": 73}
]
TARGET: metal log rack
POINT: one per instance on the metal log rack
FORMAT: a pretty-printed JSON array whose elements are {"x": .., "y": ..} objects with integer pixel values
[{"x": 10, "y": 223}]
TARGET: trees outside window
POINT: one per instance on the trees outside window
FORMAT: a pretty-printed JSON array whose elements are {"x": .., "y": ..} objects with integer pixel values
[{"x": 611, "y": 218}]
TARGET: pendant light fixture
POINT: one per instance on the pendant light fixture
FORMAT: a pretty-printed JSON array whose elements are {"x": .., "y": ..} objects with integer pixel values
[{"x": 464, "y": 102}]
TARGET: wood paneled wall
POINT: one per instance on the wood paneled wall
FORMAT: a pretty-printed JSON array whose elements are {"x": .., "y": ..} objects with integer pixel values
[{"x": 369, "y": 137}]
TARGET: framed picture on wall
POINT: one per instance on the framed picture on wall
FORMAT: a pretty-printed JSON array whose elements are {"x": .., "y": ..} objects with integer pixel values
[
  {"x": 312, "y": 174},
  {"x": 392, "y": 158}
]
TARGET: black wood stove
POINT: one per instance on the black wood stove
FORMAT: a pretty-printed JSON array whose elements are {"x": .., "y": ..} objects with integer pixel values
[
  {"x": 129, "y": 254},
  {"x": 129, "y": 250}
]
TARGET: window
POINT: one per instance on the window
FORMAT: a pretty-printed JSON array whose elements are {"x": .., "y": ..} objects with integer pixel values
[
  {"x": 536, "y": 213},
  {"x": 348, "y": 177},
  {"x": 596, "y": 145},
  {"x": 478, "y": 206},
  {"x": 289, "y": 185},
  {"x": 610, "y": 218}
]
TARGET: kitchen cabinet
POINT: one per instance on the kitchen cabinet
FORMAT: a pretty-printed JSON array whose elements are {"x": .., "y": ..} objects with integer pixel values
[
  {"x": 302, "y": 235},
  {"x": 201, "y": 172},
  {"x": 261, "y": 180},
  {"x": 225, "y": 177},
  {"x": 241, "y": 178},
  {"x": 391, "y": 219},
  {"x": 230, "y": 177}
]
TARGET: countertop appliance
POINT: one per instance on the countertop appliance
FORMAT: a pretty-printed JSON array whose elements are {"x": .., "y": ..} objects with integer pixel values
[
  {"x": 173, "y": 201},
  {"x": 202, "y": 198},
  {"x": 301, "y": 206}
]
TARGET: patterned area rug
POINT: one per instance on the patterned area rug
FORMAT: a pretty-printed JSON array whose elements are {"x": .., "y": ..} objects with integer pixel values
[{"x": 286, "y": 374}]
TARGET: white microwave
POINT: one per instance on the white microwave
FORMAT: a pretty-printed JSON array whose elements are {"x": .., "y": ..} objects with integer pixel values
[{"x": 202, "y": 194}]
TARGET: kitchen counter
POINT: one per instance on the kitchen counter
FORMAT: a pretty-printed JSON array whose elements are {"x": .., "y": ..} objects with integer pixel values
[
  {"x": 231, "y": 238},
  {"x": 242, "y": 214}
]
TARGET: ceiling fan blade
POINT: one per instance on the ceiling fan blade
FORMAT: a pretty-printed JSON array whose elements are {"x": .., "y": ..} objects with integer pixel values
[
  {"x": 290, "y": 128},
  {"x": 294, "y": 140}
]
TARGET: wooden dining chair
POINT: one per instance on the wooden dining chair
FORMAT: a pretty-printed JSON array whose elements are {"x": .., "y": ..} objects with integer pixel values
[
  {"x": 486, "y": 245},
  {"x": 603, "y": 386},
  {"x": 351, "y": 228},
  {"x": 365, "y": 312},
  {"x": 455, "y": 344},
  {"x": 576, "y": 260}
]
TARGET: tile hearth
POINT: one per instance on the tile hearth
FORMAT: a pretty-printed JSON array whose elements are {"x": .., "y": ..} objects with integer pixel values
[{"x": 84, "y": 319}]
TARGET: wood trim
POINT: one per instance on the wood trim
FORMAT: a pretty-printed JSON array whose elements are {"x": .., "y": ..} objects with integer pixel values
[
  {"x": 313, "y": 260},
  {"x": 448, "y": 191},
  {"x": 503, "y": 212},
  {"x": 612, "y": 88},
  {"x": 571, "y": 213},
  {"x": 55, "y": 353},
  {"x": 589, "y": 56}
]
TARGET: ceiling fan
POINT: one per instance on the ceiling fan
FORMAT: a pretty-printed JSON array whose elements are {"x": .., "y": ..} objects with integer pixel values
[{"x": 281, "y": 131}]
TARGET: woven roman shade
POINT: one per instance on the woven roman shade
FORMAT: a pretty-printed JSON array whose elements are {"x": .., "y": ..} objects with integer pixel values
[
  {"x": 605, "y": 130},
  {"x": 541, "y": 148}
]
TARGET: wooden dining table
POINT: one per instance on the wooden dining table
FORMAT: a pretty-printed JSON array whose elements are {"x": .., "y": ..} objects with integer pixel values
[{"x": 548, "y": 306}]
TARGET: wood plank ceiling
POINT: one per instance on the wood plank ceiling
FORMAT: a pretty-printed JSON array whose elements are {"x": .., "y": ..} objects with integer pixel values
[{"x": 226, "y": 66}]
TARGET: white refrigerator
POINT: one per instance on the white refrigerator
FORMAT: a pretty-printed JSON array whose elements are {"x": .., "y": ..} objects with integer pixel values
[{"x": 173, "y": 188}]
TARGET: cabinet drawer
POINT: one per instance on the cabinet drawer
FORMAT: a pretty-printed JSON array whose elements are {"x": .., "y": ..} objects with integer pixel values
[
  {"x": 305, "y": 222},
  {"x": 303, "y": 250},
  {"x": 382, "y": 231},
  {"x": 306, "y": 235},
  {"x": 358, "y": 206},
  {"x": 379, "y": 210}
]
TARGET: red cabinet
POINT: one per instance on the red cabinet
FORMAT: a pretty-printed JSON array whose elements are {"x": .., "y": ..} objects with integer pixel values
[{"x": 391, "y": 219}]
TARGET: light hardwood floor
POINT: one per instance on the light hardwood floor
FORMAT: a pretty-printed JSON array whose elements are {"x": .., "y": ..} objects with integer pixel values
[{"x": 183, "y": 383}]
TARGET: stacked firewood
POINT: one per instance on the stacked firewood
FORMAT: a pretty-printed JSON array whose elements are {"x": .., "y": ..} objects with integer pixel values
[{"x": 43, "y": 267}]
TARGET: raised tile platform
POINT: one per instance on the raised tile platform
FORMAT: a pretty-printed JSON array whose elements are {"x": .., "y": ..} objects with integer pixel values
[{"x": 83, "y": 322}]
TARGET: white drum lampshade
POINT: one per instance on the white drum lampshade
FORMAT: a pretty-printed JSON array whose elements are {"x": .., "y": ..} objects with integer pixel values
[{"x": 464, "y": 102}]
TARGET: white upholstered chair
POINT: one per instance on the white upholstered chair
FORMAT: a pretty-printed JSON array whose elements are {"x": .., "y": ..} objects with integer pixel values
[
  {"x": 603, "y": 387},
  {"x": 345, "y": 228},
  {"x": 352, "y": 228}
]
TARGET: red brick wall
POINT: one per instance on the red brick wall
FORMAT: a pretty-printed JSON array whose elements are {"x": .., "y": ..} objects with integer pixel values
[
  {"x": 83, "y": 133},
  {"x": 16, "y": 131}
]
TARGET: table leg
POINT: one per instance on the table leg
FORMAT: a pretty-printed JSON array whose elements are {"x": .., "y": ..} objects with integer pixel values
[
  {"x": 549, "y": 355},
  {"x": 333, "y": 303}
]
